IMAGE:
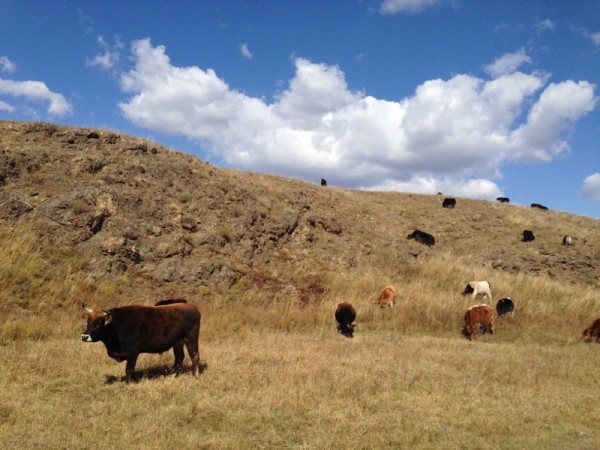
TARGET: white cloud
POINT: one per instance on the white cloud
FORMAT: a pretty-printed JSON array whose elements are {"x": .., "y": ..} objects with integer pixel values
[
  {"x": 560, "y": 105},
  {"x": 408, "y": 6},
  {"x": 36, "y": 91},
  {"x": 544, "y": 25},
  {"x": 6, "y": 65},
  {"x": 451, "y": 135},
  {"x": 6, "y": 107},
  {"x": 460, "y": 187},
  {"x": 591, "y": 187},
  {"x": 246, "y": 51},
  {"x": 106, "y": 60},
  {"x": 508, "y": 63},
  {"x": 109, "y": 57},
  {"x": 594, "y": 37}
]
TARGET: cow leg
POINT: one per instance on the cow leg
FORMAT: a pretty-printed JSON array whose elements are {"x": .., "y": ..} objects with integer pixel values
[
  {"x": 192, "y": 349},
  {"x": 130, "y": 367},
  {"x": 178, "y": 351}
]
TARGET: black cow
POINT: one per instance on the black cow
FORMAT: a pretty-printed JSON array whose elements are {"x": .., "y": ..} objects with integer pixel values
[
  {"x": 130, "y": 330},
  {"x": 567, "y": 240},
  {"x": 505, "y": 306},
  {"x": 538, "y": 206},
  {"x": 503, "y": 199},
  {"x": 345, "y": 315},
  {"x": 449, "y": 203},
  {"x": 422, "y": 237},
  {"x": 528, "y": 236},
  {"x": 323, "y": 182}
]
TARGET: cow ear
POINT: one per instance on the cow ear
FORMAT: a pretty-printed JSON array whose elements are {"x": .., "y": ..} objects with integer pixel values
[
  {"x": 107, "y": 317},
  {"x": 85, "y": 312}
]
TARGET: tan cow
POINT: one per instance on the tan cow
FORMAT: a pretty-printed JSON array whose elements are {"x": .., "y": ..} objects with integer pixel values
[
  {"x": 478, "y": 318},
  {"x": 387, "y": 297}
]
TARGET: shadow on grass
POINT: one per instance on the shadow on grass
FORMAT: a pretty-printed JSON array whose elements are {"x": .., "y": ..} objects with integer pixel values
[{"x": 152, "y": 373}]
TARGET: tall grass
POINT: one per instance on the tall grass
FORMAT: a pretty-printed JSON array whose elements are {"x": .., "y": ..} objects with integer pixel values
[{"x": 278, "y": 374}]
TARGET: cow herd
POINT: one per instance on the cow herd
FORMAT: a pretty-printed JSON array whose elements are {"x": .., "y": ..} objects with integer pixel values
[
  {"x": 478, "y": 319},
  {"x": 528, "y": 236}
]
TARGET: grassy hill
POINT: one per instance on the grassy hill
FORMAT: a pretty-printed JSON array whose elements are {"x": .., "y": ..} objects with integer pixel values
[{"x": 107, "y": 219}]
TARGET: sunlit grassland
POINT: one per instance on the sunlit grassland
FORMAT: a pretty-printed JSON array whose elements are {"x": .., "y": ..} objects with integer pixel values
[
  {"x": 278, "y": 375},
  {"x": 279, "y": 389}
]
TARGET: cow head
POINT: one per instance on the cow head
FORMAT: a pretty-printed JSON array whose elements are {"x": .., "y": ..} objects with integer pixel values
[
  {"x": 468, "y": 290},
  {"x": 96, "y": 321}
]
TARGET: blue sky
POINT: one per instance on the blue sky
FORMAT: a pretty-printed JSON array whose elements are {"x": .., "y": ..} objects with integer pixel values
[{"x": 469, "y": 97}]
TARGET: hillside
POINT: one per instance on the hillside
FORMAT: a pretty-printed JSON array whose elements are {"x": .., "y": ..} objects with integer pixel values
[{"x": 128, "y": 205}]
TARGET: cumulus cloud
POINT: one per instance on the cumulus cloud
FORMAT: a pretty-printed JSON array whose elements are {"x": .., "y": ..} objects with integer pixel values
[
  {"x": 508, "y": 63},
  {"x": 109, "y": 57},
  {"x": 36, "y": 91},
  {"x": 451, "y": 135},
  {"x": 6, "y": 65},
  {"x": 246, "y": 51},
  {"x": 408, "y": 6},
  {"x": 591, "y": 187},
  {"x": 6, "y": 107}
]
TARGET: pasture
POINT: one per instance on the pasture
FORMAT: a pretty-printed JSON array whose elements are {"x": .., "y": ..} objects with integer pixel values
[{"x": 279, "y": 375}]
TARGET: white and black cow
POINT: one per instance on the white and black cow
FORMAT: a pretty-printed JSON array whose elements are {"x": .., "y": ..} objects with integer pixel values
[{"x": 478, "y": 288}]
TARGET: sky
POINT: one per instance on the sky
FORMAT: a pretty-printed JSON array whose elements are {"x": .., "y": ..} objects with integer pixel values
[{"x": 472, "y": 98}]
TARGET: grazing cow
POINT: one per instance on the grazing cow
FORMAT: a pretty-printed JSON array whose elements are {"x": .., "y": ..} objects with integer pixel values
[
  {"x": 538, "y": 206},
  {"x": 592, "y": 333},
  {"x": 505, "y": 306},
  {"x": 528, "y": 236},
  {"x": 323, "y": 182},
  {"x": 387, "y": 297},
  {"x": 449, "y": 203},
  {"x": 345, "y": 316},
  {"x": 422, "y": 237},
  {"x": 475, "y": 288},
  {"x": 567, "y": 240},
  {"x": 478, "y": 318},
  {"x": 130, "y": 330},
  {"x": 503, "y": 199}
]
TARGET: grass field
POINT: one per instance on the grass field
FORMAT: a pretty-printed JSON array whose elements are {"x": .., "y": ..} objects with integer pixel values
[{"x": 280, "y": 376}]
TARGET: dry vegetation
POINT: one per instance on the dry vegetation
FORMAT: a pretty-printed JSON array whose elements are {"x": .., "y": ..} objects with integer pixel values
[{"x": 267, "y": 259}]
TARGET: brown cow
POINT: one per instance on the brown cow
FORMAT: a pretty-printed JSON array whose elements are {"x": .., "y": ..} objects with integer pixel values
[
  {"x": 345, "y": 315},
  {"x": 476, "y": 317},
  {"x": 387, "y": 297},
  {"x": 592, "y": 333},
  {"x": 130, "y": 330}
]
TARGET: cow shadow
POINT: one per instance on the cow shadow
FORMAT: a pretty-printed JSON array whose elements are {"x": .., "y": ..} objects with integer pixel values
[{"x": 151, "y": 373}]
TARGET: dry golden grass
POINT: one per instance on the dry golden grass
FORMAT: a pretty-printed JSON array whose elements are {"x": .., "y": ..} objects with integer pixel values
[
  {"x": 280, "y": 376},
  {"x": 277, "y": 389}
]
